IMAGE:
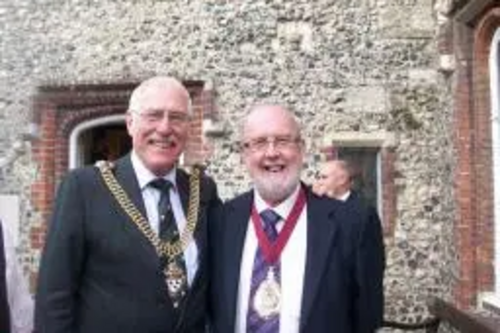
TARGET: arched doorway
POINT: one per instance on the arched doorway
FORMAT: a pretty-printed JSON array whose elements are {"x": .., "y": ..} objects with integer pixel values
[
  {"x": 108, "y": 142},
  {"x": 103, "y": 138}
]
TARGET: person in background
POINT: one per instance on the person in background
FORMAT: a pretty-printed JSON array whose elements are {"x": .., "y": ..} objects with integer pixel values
[
  {"x": 282, "y": 258},
  {"x": 16, "y": 304},
  {"x": 126, "y": 250},
  {"x": 335, "y": 179}
]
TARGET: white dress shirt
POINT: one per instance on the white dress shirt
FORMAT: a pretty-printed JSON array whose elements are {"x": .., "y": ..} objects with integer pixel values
[
  {"x": 151, "y": 197},
  {"x": 293, "y": 259},
  {"x": 18, "y": 295}
]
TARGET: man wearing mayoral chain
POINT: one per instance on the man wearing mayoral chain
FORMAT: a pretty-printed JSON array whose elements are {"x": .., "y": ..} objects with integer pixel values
[{"x": 126, "y": 250}]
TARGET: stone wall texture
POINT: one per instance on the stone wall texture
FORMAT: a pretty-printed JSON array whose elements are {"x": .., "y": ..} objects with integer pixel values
[{"x": 356, "y": 66}]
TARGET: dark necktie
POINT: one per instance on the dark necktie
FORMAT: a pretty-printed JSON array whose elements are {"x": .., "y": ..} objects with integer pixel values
[
  {"x": 174, "y": 268},
  {"x": 262, "y": 271}
]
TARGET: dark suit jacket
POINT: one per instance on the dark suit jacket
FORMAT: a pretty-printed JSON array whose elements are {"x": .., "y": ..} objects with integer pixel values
[
  {"x": 4, "y": 304},
  {"x": 342, "y": 290},
  {"x": 358, "y": 202},
  {"x": 99, "y": 273}
]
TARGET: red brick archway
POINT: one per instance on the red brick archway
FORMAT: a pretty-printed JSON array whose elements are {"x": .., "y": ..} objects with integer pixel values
[{"x": 474, "y": 235}]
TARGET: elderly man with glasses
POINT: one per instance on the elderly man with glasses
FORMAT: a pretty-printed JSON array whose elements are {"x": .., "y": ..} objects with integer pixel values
[
  {"x": 283, "y": 259},
  {"x": 126, "y": 250}
]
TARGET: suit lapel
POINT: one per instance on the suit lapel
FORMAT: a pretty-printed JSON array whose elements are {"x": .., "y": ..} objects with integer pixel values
[
  {"x": 183, "y": 188},
  {"x": 126, "y": 177},
  {"x": 124, "y": 173},
  {"x": 236, "y": 224},
  {"x": 182, "y": 180},
  {"x": 321, "y": 231}
]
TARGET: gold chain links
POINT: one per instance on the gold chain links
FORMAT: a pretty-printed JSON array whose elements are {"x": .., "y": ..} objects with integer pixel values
[{"x": 163, "y": 248}]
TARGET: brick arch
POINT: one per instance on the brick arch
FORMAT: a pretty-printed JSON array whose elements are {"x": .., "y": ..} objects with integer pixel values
[
  {"x": 486, "y": 28},
  {"x": 90, "y": 125},
  {"x": 473, "y": 142},
  {"x": 485, "y": 31},
  {"x": 70, "y": 120},
  {"x": 67, "y": 123}
]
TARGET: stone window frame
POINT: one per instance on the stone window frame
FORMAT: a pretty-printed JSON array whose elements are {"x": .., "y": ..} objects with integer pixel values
[{"x": 385, "y": 142}]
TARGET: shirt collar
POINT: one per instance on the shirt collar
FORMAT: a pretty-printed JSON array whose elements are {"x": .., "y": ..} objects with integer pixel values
[
  {"x": 345, "y": 196},
  {"x": 145, "y": 176},
  {"x": 283, "y": 209}
]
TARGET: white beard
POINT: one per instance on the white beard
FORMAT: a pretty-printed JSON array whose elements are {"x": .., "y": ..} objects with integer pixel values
[{"x": 276, "y": 189}]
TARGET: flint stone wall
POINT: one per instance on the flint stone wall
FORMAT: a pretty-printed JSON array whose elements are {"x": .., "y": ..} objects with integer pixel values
[{"x": 343, "y": 65}]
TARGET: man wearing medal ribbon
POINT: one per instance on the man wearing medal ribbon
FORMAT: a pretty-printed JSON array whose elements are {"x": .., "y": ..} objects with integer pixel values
[
  {"x": 126, "y": 250},
  {"x": 283, "y": 259}
]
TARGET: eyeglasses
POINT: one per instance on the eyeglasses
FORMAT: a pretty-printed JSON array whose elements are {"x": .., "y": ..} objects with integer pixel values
[
  {"x": 278, "y": 142},
  {"x": 155, "y": 116}
]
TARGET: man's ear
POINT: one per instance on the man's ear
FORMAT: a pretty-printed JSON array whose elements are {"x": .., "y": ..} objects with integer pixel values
[
  {"x": 129, "y": 122},
  {"x": 321, "y": 191}
]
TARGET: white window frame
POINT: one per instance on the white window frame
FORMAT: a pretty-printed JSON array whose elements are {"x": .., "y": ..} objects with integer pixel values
[
  {"x": 495, "y": 134},
  {"x": 493, "y": 298}
]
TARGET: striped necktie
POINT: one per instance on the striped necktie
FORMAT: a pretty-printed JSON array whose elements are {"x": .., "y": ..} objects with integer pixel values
[
  {"x": 256, "y": 322},
  {"x": 174, "y": 268}
]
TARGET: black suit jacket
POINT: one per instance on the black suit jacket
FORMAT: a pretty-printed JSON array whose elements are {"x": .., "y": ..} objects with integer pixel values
[
  {"x": 99, "y": 273},
  {"x": 4, "y": 303},
  {"x": 359, "y": 202},
  {"x": 342, "y": 289}
]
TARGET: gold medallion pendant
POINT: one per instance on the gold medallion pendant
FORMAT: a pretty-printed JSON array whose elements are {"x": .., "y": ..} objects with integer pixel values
[
  {"x": 267, "y": 299},
  {"x": 176, "y": 282}
]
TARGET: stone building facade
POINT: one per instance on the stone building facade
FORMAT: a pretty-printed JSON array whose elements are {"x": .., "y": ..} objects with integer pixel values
[{"x": 409, "y": 79}]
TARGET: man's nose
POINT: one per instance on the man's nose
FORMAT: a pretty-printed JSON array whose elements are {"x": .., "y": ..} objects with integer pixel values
[
  {"x": 271, "y": 149},
  {"x": 164, "y": 123}
]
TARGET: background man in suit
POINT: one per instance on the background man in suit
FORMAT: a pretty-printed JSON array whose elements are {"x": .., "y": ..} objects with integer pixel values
[
  {"x": 335, "y": 180},
  {"x": 16, "y": 305},
  {"x": 123, "y": 252},
  {"x": 283, "y": 259}
]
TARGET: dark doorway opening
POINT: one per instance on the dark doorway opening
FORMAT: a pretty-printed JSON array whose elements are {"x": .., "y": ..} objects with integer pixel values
[{"x": 108, "y": 142}]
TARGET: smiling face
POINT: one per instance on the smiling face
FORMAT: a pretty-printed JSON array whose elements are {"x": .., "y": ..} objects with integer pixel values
[
  {"x": 273, "y": 152},
  {"x": 158, "y": 123}
]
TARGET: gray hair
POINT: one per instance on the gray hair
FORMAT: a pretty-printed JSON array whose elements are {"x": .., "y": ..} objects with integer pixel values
[
  {"x": 288, "y": 109},
  {"x": 160, "y": 83}
]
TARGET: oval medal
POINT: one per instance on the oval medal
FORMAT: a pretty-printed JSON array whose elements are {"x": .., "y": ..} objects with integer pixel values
[{"x": 267, "y": 299}]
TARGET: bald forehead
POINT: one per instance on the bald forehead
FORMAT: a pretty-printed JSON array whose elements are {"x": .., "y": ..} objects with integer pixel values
[
  {"x": 333, "y": 166},
  {"x": 270, "y": 118},
  {"x": 156, "y": 86}
]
